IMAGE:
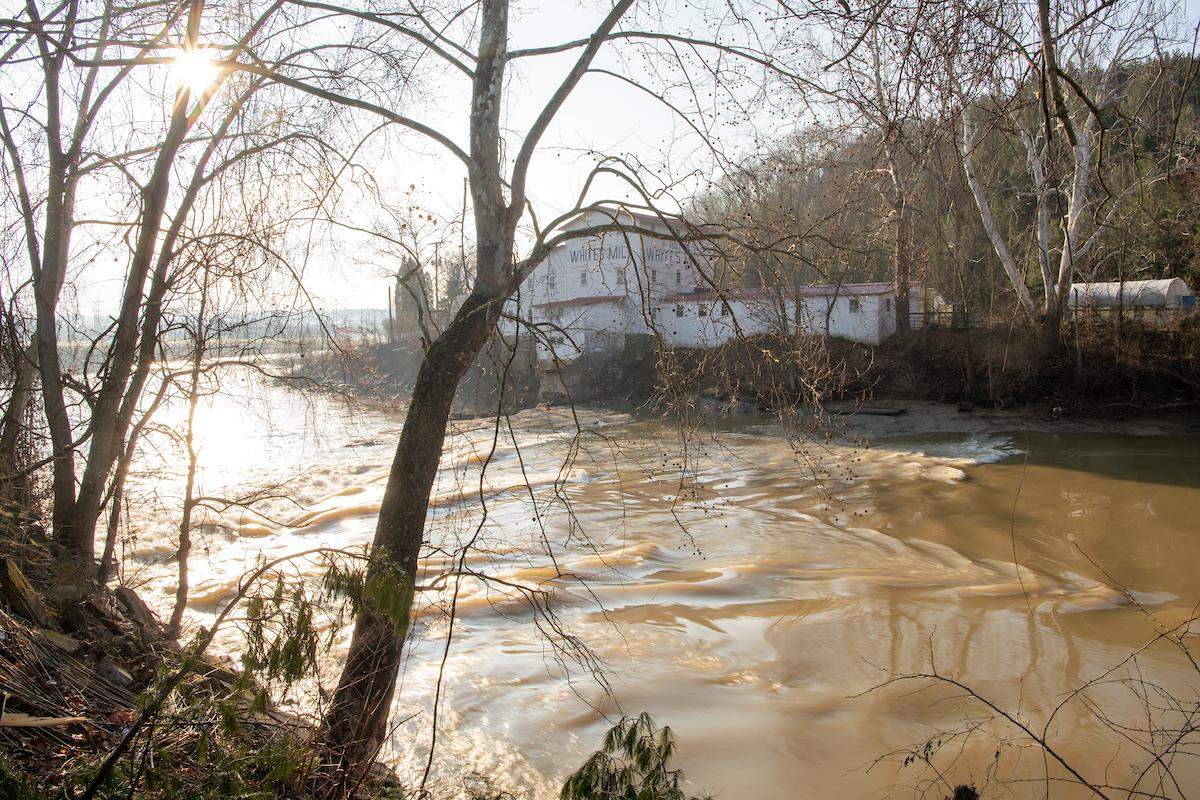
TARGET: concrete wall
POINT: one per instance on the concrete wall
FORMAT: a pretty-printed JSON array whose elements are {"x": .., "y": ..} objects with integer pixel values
[{"x": 595, "y": 326}]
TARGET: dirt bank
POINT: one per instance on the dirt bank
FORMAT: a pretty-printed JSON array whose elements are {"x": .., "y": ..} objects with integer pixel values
[{"x": 97, "y": 701}]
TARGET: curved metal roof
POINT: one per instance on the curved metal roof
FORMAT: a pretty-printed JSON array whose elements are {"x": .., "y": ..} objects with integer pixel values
[{"x": 1128, "y": 293}]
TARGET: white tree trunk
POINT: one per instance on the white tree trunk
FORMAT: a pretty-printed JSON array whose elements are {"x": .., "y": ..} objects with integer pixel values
[
  {"x": 970, "y": 140},
  {"x": 1035, "y": 156}
]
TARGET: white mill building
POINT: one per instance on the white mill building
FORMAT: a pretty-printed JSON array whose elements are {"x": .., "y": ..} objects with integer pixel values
[{"x": 590, "y": 293}]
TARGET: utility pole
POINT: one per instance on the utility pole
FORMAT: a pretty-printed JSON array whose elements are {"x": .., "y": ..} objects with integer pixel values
[
  {"x": 391, "y": 328},
  {"x": 437, "y": 276}
]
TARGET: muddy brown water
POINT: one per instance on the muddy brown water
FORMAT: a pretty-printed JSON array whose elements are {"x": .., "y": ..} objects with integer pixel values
[{"x": 765, "y": 597}]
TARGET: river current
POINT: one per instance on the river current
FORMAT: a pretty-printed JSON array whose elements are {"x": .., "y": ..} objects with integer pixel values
[{"x": 766, "y": 595}]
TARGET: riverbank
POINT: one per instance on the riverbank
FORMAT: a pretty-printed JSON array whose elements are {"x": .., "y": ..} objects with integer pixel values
[
  {"x": 1103, "y": 369},
  {"x": 1098, "y": 371},
  {"x": 99, "y": 702}
]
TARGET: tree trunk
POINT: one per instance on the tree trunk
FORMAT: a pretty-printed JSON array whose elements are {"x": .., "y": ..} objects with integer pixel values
[
  {"x": 1051, "y": 330},
  {"x": 48, "y": 284},
  {"x": 120, "y": 476},
  {"x": 356, "y": 722},
  {"x": 355, "y": 725},
  {"x": 15, "y": 482},
  {"x": 14, "y": 414},
  {"x": 110, "y": 423},
  {"x": 189, "y": 490},
  {"x": 185, "y": 520},
  {"x": 970, "y": 141},
  {"x": 902, "y": 261}
]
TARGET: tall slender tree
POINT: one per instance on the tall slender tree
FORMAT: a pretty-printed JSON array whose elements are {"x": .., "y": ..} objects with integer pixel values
[
  {"x": 77, "y": 76},
  {"x": 356, "y": 721},
  {"x": 1055, "y": 75},
  {"x": 472, "y": 43}
]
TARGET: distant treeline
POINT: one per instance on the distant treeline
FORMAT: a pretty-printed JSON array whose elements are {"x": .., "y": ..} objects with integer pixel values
[{"x": 824, "y": 206}]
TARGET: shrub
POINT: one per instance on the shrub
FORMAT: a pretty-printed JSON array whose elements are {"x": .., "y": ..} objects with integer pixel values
[{"x": 633, "y": 764}]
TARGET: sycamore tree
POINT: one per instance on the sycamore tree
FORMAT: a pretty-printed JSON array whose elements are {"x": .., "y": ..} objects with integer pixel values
[{"x": 1050, "y": 79}]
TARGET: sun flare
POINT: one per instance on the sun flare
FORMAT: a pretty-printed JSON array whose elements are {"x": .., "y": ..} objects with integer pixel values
[{"x": 196, "y": 70}]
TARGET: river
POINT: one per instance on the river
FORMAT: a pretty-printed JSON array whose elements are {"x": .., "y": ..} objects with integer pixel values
[{"x": 753, "y": 590}]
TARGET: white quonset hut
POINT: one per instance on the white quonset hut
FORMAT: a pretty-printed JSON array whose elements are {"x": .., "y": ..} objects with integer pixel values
[
  {"x": 860, "y": 312},
  {"x": 1165, "y": 293}
]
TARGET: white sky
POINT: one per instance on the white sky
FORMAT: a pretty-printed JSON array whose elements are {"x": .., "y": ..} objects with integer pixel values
[{"x": 602, "y": 115}]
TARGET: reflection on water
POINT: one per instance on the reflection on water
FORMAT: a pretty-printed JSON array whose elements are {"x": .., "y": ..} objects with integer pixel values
[{"x": 741, "y": 591}]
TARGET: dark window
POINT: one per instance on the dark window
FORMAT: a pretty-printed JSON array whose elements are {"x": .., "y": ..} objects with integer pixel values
[
  {"x": 583, "y": 279},
  {"x": 678, "y": 277},
  {"x": 887, "y": 304},
  {"x": 725, "y": 310},
  {"x": 551, "y": 280},
  {"x": 654, "y": 276},
  {"x": 855, "y": 306},
  {"x": 704, "y": 311},
  {"x": 679, "y": 310}
]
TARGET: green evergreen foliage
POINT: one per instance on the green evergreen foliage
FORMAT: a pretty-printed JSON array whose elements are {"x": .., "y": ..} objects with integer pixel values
[
  {"x": 282, "y": 641},
  {"x": 14, "y": 785},
  {"x": 291, "y": 624},
  {"x": 633, "y": 764},
  {"x": 384, "y": 587}
]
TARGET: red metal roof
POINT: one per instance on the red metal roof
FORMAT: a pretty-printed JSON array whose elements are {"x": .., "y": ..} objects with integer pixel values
[
  {"x": 727, "y": 294},
  {"x": 582, "y": 301},
  {"x": 846, "y": 289},
  {"x": 842, "y": 290}
]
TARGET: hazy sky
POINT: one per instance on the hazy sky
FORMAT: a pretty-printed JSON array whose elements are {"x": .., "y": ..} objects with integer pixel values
[{"x": 602, "y": 115}]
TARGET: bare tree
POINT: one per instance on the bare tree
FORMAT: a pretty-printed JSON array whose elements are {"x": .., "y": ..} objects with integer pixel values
[
  {"x": 357, "y": 719},
  {"x": 878, "y": 66},
  {"x": 89, "y": 65},
  {"x": 471, "y": 44},
  {"x": 1053, "y": 79}
]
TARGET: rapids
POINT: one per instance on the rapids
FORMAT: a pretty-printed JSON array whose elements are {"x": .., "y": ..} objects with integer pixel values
[{"x": 749, "y": 589}]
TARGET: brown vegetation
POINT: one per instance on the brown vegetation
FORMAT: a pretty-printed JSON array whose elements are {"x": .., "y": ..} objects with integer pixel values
[{"x": 1104, "y": 368}]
